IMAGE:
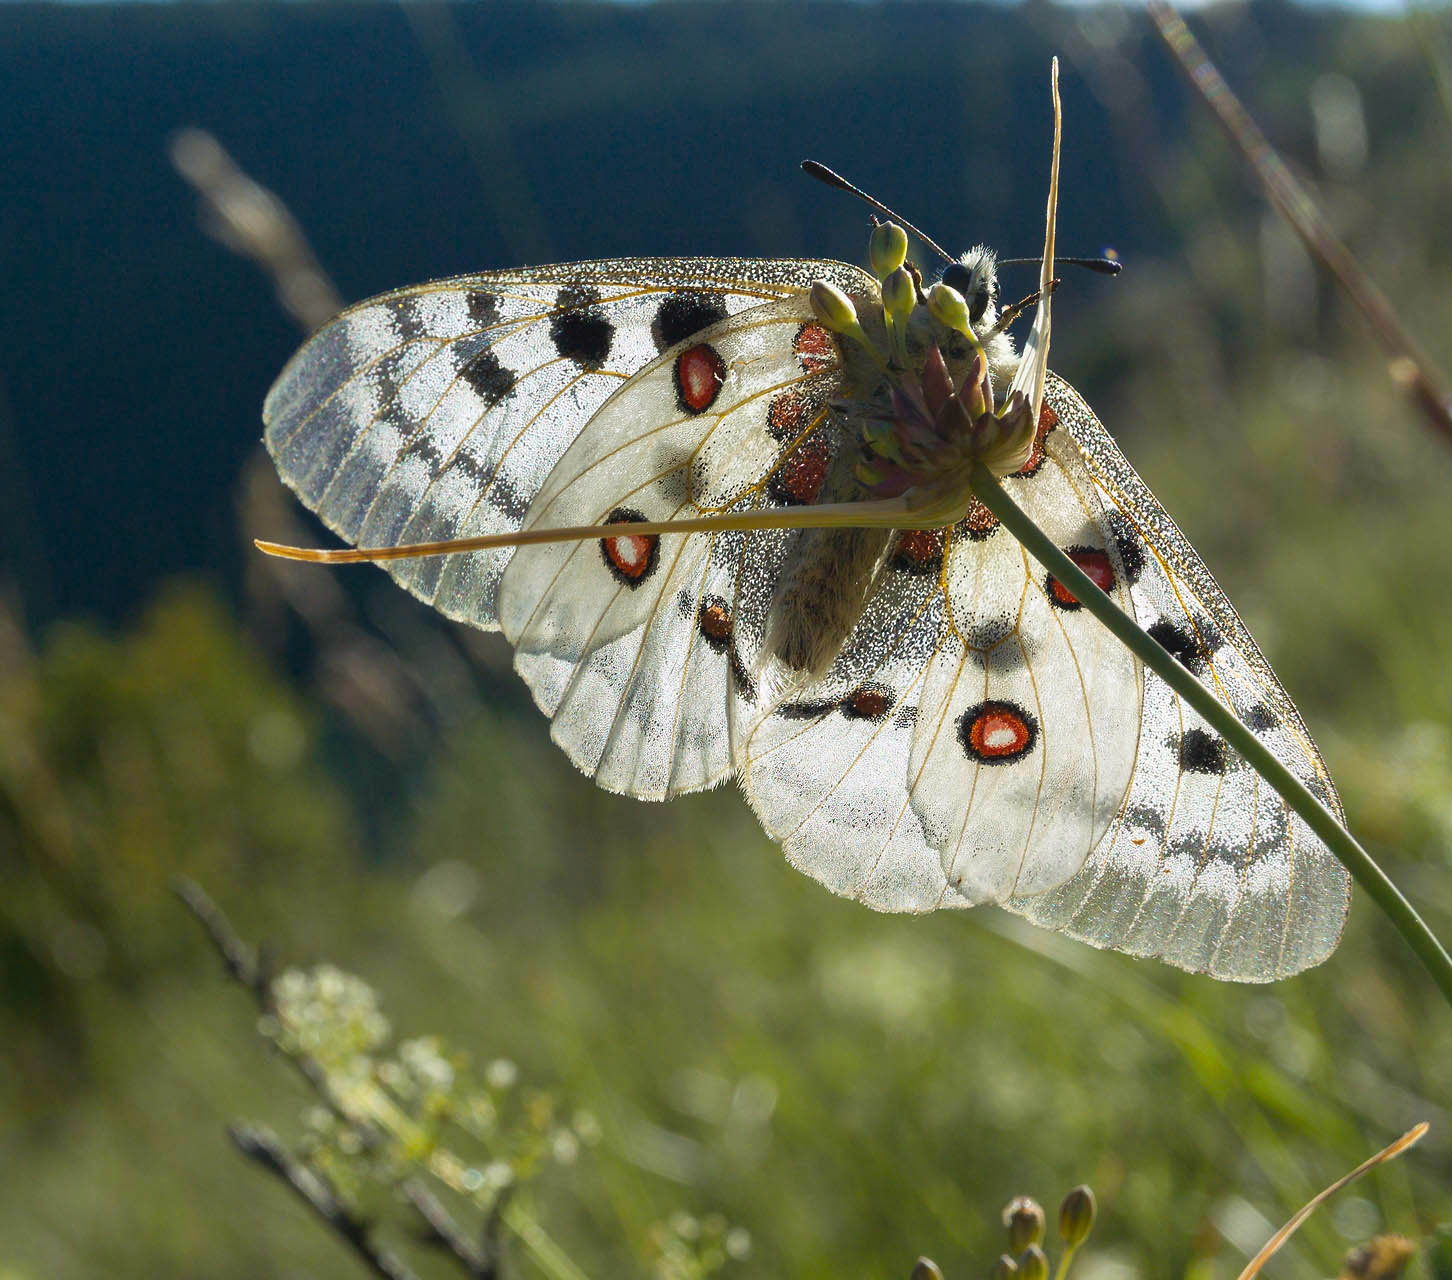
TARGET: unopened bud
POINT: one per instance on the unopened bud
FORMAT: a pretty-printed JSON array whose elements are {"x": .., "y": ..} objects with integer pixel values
[
  {"x": 1033, "y": 1264},
  {"x": 887, "y": 250},
  {"x": 898, "y": 294},
  {"x": 948, "y": 307},
  {"x": 1004, "y": 1269},
  {"x": 1024, "y": 1217},
  {"x": 833, "y": 308},
  {"x": 1076, "y": 1216},
  {"x": 926, "y": 1269}
]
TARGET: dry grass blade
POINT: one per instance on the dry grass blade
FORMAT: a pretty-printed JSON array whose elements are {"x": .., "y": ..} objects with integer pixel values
[
  {"x": 1271, "y": 1246},
  {"x": 1409, "y": 366},
  {"x": 246, "y": 217}
]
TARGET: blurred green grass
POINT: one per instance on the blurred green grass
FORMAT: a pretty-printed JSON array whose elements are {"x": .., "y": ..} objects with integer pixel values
[{"x": 855, "y": 1089}]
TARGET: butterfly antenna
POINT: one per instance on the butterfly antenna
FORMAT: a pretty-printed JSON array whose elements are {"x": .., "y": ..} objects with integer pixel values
[
  {"x": 823, "y": 174},
  {"x": 1109, "y": 265}
]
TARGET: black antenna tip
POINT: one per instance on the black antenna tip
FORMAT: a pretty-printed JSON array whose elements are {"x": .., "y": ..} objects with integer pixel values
[
  {"x": 1106, "y": 266},
  {"x": 823, "y": 174}
]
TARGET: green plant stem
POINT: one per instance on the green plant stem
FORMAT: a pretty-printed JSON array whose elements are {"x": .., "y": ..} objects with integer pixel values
[
  {"x": 1320, "y": 819},
  {"x": 553, "y": 1260}
]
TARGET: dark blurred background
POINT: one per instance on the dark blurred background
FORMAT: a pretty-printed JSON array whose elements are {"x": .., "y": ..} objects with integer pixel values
[{"x": 356, "y": 781}]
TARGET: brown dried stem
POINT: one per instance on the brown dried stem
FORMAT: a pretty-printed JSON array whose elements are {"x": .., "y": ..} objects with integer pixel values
[{"x": 1408, "y": 365}]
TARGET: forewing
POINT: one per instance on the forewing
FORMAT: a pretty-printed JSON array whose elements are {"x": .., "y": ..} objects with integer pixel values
[
  {"x": 632, "y": 645},
  {"x": 1205, "y": 866},
  {"x": 437, "y": 411}
]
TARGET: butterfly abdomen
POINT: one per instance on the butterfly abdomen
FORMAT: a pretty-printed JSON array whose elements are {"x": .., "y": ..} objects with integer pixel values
[{"x": 823, "y": 588}]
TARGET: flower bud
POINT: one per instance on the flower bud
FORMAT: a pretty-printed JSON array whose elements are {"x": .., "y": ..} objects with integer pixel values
[
  {"x": 898, "y": 294},
  {"x": 833, "y": 308},
  {"x": 1076, "y": 1216},
  {"x": 1033, "y": 1264},
  {"x": 887, "y": 250},
  {"x": 948, "y": 307},
  {"x": 1024, "y": 1217},
  {"x": 1004, "y": 1269}
]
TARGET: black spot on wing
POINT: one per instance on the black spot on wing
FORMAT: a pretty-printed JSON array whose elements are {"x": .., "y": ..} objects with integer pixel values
[
  {"x": 408, "y": 321},
  {"x": 488, "y": 377},
  {"x": 1261, "y": 718},
  {"x": 1180, "y": 643},
  {"x": 483, "y": 307},
  {"x": 579, "y": 328},
  {"x": 806, "y": 710},
  {"x": 685, "y": 313},
  {"x": 1131, "y": 549},
  {"x": 1202, "y": 752}
]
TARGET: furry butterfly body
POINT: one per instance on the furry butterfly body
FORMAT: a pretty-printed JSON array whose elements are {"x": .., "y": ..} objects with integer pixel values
[{"x": 716, "y": 506}]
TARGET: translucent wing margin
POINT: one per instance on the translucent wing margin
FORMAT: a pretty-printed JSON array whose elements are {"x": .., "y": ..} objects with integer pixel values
[
  {"x": 1204, "y": 867},
  {"x": 437, "y": 411}
]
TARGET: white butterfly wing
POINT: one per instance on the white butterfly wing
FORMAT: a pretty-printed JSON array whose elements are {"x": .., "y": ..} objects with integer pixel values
[
  {"x": 1205, "y": 865},
  {"x": 1022, "y": 756},
  {"x": 437, "y": 411},
  {"x": 993, "y": 732},
  {"x": 630, "y": 644}
]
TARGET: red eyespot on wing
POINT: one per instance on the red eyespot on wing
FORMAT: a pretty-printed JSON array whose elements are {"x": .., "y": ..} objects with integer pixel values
[
  {"x": 918, "y": 551},
  {"x": 870, "y": 702},
  {"x": 1048, "y": 420},
  {"x": 997, "y": 732},
  {"x": 630, "y": 557},
  {"x": 799, "y": 478},
  {"x": 787, "y": 416},
  {"x": 814, "y": 347},
  {"x": 1094, "y": 563},
  {"x": 980, "y": 523},
  {"x": 700, "y": 371}
]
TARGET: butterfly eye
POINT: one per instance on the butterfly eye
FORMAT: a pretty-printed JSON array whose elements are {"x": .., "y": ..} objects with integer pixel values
[
  {"x": 973, "y": 284},
  {"x": 959, "y": 277}
]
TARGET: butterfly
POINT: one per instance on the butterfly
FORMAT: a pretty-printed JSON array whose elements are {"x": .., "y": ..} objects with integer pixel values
[{"x": 711, "y": 503}]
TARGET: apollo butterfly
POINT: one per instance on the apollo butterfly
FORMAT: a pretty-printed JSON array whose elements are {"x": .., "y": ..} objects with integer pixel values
[{"x": 716, "y": 505}]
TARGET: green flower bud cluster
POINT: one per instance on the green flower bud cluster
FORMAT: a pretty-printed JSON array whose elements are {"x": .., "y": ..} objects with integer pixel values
[{"x": 1024, "y": 1223}]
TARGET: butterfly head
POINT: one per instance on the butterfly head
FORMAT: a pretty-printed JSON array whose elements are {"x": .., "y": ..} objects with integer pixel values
[{"x": 975, "y": 276}]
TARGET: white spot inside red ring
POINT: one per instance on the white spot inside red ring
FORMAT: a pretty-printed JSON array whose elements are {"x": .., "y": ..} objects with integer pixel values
[
  {"x": 700, "y": 374},
  {"x": 996, "y": 732},
  {"x": 630, "y": 557},
  {"x": 1096, "y": 565},
  {"x": 814, "y": 347}
]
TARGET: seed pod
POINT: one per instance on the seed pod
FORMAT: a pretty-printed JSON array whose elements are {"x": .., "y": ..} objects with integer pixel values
[
  {"x": 1033, "y": 1264},
  {"x": 1024, "y": 1218},
  {"x": 1004, "y": 1269},
  {"x": 887, "y": 249},
  {"x": 1076, "y": 1216}
]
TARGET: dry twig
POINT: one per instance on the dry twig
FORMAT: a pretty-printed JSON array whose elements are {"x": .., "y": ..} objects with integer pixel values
[{"x": 1409, "y": 366}]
